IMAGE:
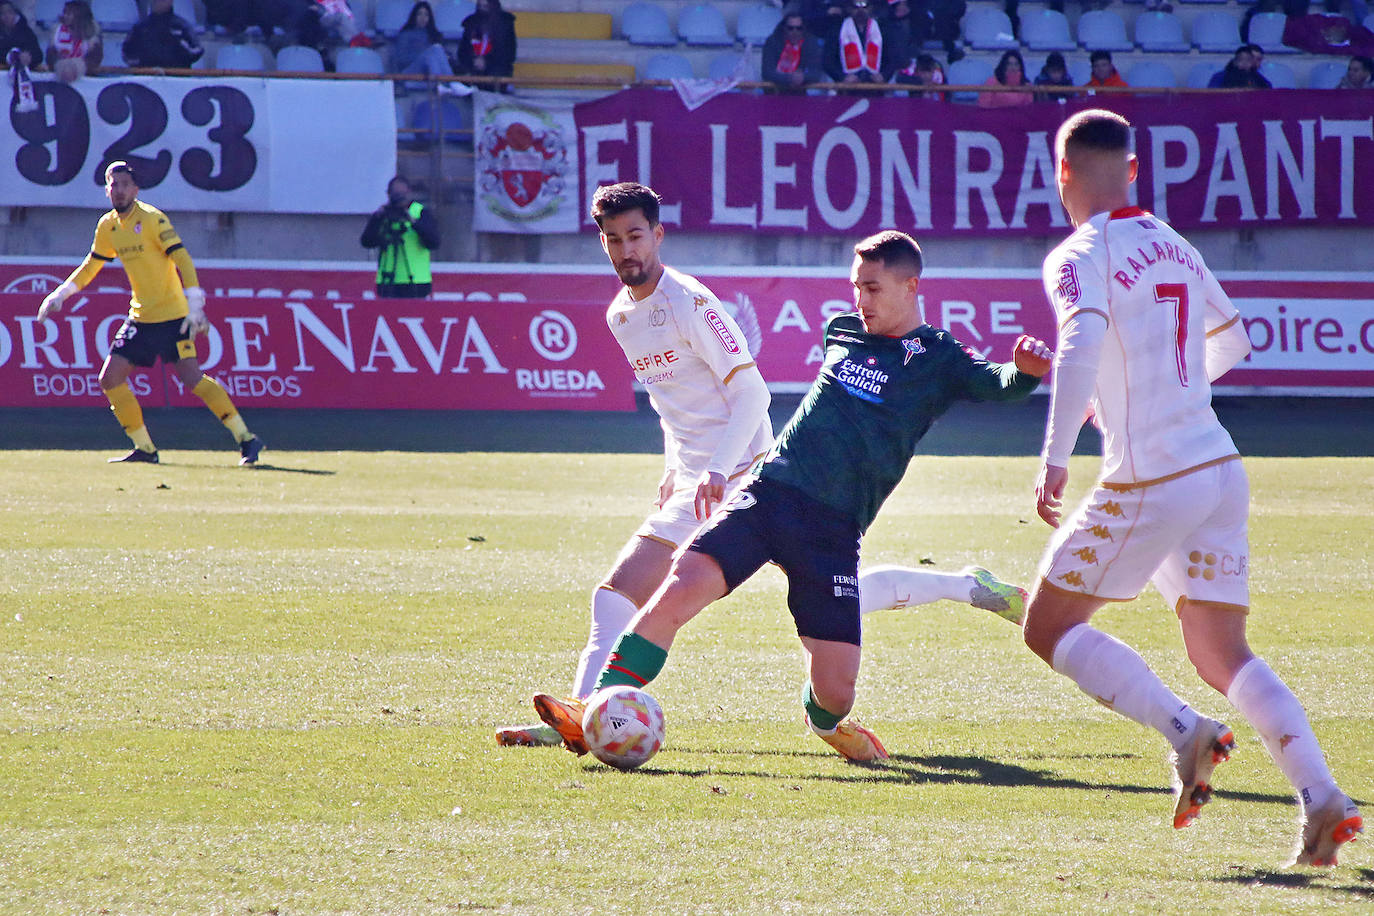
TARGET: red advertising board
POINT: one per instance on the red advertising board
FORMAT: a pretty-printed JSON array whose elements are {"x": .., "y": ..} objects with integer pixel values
[{"x": 534, "y": 337}]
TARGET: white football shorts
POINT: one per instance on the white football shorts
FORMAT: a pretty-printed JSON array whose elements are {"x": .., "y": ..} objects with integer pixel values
[
  {"x": 1187, "y": 535},
  {"x": 676, "y": 523}
]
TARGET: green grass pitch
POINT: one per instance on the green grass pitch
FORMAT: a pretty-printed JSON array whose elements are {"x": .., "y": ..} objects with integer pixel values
[{"x": 274, "y": 691}]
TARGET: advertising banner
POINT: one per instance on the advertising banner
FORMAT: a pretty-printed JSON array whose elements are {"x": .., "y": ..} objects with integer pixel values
[
  {"x": 853, "y": 166},
  {"x": 232, "y": 144},
  {"x": 534, "y": 337}
]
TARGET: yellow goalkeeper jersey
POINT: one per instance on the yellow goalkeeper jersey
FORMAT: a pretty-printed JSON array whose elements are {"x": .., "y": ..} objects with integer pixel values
[{"x": 145, "y": 244}]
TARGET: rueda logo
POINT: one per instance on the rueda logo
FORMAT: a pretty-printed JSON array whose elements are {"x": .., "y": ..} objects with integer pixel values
[{"x": 553, "y": 335}]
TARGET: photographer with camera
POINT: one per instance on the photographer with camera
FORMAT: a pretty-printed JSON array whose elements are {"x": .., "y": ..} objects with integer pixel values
[{"x": 404, "y": 232}]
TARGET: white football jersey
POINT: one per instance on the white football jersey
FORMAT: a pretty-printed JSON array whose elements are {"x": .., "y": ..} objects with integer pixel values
[
  {"x": 1152, "y": 401},
  {"x": 683, "y": 346}
]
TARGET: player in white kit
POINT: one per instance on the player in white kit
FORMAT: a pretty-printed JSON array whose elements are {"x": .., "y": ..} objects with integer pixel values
[
  {"x": 694, "y": 362},
  {"x": 1144, "y": 328}
]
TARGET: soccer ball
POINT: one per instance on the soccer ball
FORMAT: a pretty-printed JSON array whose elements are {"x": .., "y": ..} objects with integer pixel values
[{"x": 623, "y": 727}]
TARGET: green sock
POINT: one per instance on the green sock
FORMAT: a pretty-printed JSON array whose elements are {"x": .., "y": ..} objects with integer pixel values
[
  {"x": 821, "y": 719},
  {"x": 634, "y": 662}
]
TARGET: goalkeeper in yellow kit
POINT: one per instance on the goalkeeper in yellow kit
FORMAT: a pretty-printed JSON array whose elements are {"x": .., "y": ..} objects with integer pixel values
[{"x": 166, "y": 312}]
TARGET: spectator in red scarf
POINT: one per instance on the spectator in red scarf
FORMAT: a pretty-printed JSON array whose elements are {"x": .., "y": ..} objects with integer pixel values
[
  {"x": 75, "y": 49},
  {"x": 487, "y": 46},
  {"x": 791, "y": 57},
  {"x": 854, "y": 51}
]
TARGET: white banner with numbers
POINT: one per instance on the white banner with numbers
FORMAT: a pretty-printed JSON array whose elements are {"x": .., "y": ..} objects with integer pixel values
[{"x": 242, "y": 144}]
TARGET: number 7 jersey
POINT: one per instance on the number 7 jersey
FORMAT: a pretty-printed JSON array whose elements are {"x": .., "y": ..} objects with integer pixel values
[{"x": 1152, "y": 400}]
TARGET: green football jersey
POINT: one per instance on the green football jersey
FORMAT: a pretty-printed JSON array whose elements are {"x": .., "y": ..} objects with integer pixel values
[{"x": 852, "y": 437}]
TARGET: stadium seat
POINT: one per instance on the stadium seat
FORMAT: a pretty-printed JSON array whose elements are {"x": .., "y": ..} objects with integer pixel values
[
  {"x": 46, "y": 13},
  {"x": 1151, "y": 74},
  {"x": 114, "y": 55},
  {"x": 1327, "y": 74},
  {"x": 239, "y": 57},
  {"x": 115, "y": 15},
  {"x": 437, "y": 118},
  {"x": 1369, "y": 22},
  {"x": 1103, "y": 30},
  {"x": 1279, "y": 75},
  {"x": 1157, "y": 31},
  {"x": 190, "y": 12},
  {"x": 970, "y": 71},
  {"x": 1216, "y": 30},
  {"x": 646, "y": 24},
  {"x": 449, "y": 16},
  {"x": 391, "y": 15},
  {"x": 668, "y": 66},
  {"x": 299, "y": 59},
  {"x": 703, "y": 24},
  {"x": 1200, "y": 74},
  {"x": 1266, "y": 30},
  {"x": 358, "y": 60},
  {"x": 986, "y": 28},
  {"x": 723, "y": 66},
  {"x": 756, "y": 23},
  {"x": 1080, "y": 70},
  {"x": 1046, "y": 30}
]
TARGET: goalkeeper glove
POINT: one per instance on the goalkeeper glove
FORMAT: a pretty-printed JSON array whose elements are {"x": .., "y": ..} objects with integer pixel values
[
  {"x": 53, "y": 301},
  {"x": 195, "y": 321}
]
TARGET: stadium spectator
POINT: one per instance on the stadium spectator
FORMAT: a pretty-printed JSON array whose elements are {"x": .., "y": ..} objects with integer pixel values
[
  {"x": 945, "y": 22},
  {"x": 325, "y": 24},
  {"x": 822, "y": 17},
  {"x": 1240, "y": 72},
  {"x": 487, "y": 46},
  {"x": 17, "y": 34},
  {"x": 76, "y": 47},
  {"x": 854, "y": 52},
  {"x": 1171, "y": 503},
  {"x": 791, "y": 57},
  {"x": 906, "y": 27},
  {"x": 1054, "y": 73},
  {"x": 419, "y": 47},
  {"x": 1010, "y": 72},
  {"x": 162, "y": 39},
  {"x": 1103, "y": 71},
  {"x": 234, "y": 17},
  {"x": 404, "y": 232},
  {"x": 166, "y": 312},
  {"x": 924, "y": 70},
  {"x": 886, "y": 377},
  {"x": 1358, "y": 75}
]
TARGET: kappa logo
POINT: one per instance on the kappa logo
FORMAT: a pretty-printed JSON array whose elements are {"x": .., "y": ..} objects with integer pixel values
[
  {"x": 1068, "y": 289},
  {"x": 722, "y": 331},
  {"x": 1086, "y": 554},
  {"x": 912, "y": 347},
  {"x": 1113, "y": 509},
  {"x": 1073, "y": 578},
  {"x": 1101, "y": 533},
  {"x": 699, "y": 302}
]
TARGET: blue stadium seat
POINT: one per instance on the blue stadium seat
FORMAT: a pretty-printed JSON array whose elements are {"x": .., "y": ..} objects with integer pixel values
[
  {"x": 1103, "y": 30},
  {"x": 669, "y": 66},
  {"x": 1080, "y": 70},
  {"x": 756, "y": 23},
  {"x": 1158, "y": 31},
  {"x": 358, "y": 60},
  {"x": 1266, "y": 30},
  {"x": 115, "y": 15},
  {"x": 1151, "y": 74},
  {"x": 1369, "y": 22},
  {"x": 1046, "y": 30},
  {"x": 46, "y": 13},
  {"x": 449, "y": 16},
  {"x": 391, "y": 15},
  {"x": 970, "y": 71},
  {"x": 433, "y": 119},
  {"x": 1327, "y": 74},
  {"x": 1279, "y": 75},
  {"x": 646, "y": 24},
  {"x": 1200, "y": 74},
  {"x": 703, "y": 24},
  {"x": 723, "y": 66},
  {"x": 239, "y": 57},
  {"x": 1216, "y": 30},
  {"x": 299, "y": 59},
  {"x": 986, "y": 28}
]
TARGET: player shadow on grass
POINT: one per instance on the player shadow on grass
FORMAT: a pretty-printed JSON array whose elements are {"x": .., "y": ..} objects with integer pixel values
[
  {"x": 1265, "y": 877},
  {"x": 946, "y": 769},
  {"x": 316, "y": 472}
]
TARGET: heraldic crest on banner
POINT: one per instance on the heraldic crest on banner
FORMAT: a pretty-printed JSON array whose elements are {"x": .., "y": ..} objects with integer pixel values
[{"x": 524, "y": 163}]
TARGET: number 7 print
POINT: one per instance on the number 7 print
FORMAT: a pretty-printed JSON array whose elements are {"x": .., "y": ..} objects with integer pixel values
[{"x": 1177, "y": 293}]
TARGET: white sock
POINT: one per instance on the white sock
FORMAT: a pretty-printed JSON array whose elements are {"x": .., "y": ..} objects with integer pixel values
[
  {"x": 1115, "y": 675},
  {"x": 1267, "y": 704},
  {"x": 611, "y": 614},
  {"x": 883, "y": 587}
]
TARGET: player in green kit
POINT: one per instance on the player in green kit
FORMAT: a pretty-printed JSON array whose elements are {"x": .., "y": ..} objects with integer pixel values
[{"x": 886, "y": 377}]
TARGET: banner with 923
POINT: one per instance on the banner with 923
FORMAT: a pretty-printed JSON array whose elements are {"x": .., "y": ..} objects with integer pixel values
[{"x": 215, "y": 144}]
